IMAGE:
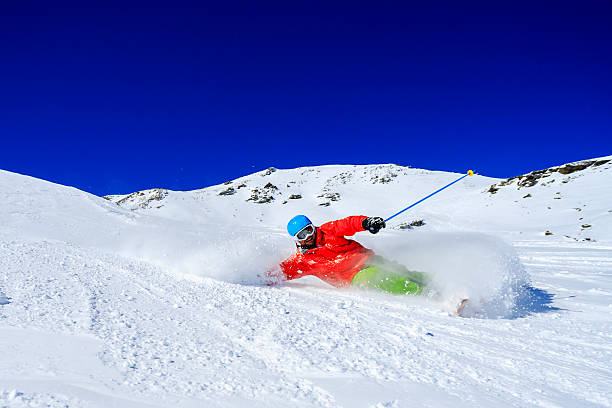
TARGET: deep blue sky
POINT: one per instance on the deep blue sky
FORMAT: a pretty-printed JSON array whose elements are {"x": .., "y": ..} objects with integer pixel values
[{"x": 118, "y": 99}]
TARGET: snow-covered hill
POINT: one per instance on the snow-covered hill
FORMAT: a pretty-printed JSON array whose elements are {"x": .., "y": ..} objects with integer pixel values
[
  {"x": 155, "y": 298},
  {"x": 570, "y": 202}
]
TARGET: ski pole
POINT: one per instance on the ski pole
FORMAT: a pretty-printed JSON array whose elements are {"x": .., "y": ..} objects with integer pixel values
[{"x": 469, "y": 173}]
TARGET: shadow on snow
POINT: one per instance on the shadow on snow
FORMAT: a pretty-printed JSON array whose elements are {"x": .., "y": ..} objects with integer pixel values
[
  {"x": 3, "y": 299},
  {"x": 532, "y": 300},
  {"x": 528, "y": 301}
]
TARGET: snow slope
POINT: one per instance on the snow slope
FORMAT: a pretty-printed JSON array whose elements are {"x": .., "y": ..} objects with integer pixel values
[{"x": 158, "y": 300}]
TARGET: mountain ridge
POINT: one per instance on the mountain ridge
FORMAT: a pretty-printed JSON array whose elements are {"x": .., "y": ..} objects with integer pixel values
[{"x": 477, "y": 203}]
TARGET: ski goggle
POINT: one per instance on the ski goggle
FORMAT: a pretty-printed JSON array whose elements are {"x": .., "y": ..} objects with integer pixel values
[{"x": 305, "y": 232}]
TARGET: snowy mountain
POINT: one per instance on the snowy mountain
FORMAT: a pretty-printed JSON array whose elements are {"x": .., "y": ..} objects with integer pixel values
[
  {"x": 580, "y": 214},
  {"x": 155, "y": 298}
]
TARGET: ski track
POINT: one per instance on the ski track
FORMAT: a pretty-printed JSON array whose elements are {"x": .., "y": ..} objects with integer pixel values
[{"x": 162, "y": 339}]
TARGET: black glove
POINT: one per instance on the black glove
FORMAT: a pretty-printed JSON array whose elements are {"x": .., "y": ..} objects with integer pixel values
[{"x": 373, "y": 224}]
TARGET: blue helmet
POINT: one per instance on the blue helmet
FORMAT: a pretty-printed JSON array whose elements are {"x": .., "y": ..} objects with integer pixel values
[{"x": 297, "y": 223}]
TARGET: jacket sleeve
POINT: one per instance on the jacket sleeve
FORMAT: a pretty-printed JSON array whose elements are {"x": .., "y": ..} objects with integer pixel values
[
  {"x": 290, "y": 268},
  {"x": 345, "y": 227}
]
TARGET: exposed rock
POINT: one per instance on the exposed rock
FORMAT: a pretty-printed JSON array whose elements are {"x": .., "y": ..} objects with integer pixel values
[
  {"x": 548, "y": 233},
  {"x": 228, "y": 191},
  {"x": 327, "y": 204},
  {"x": 531, "y": 179},
  {"x": 527, "y": 196},
  {"x": 295, "y": 196},
  {"x": 260, "y": 199},
  {"x": 586, "y": 225},
  {"x": 241, "y": 186},
  {"x": 383, "y": 174},
  {"x": 307, "y": 170},
  {"x": 330, "y": 196},
  {"x": 383, "y": 179},
  {"x": 142, "y": 199},
  {"x": 411, "y": 225},
  {"x": 342, "y": 178},
  {"x": 227, "y": 182},
  {"x": 263, "y": 195},
  {"x": 268, "y": 171},
  {"x": 571, "y": 168}
]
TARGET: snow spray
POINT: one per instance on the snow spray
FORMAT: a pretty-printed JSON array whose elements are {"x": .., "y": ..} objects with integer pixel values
[{"x": 463, "y": 265}]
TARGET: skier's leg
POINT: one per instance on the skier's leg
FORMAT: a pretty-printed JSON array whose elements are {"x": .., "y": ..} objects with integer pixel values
[
  {"x": 388, "y": 281},
  {"x": 418, "y": 277}
]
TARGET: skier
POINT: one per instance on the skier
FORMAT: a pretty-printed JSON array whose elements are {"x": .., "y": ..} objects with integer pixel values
[{"x": 324, "y": 252}]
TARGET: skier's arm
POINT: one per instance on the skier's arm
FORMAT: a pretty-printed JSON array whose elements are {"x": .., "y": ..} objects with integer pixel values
[
  {"x": 290, "y": 268},
  {"x": 345, "y": 227}
]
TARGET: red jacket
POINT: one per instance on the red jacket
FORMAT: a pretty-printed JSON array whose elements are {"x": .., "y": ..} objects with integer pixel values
[{"x": 335, "y": 259}]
